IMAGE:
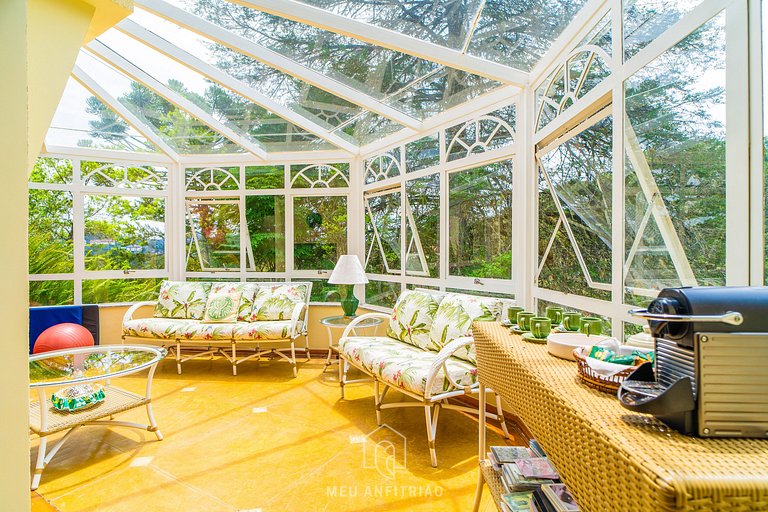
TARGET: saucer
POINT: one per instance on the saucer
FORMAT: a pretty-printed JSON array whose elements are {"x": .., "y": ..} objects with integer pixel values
[
  {"x": 531, "y": 338},
  {"x": 516, "y": 329}
]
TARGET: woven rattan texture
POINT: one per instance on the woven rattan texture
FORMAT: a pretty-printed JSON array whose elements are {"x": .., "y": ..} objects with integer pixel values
[
  {"x": 612, "y": 459},
  {"x": 493, "y": 479},
  {"x": 116, "y": 400}
]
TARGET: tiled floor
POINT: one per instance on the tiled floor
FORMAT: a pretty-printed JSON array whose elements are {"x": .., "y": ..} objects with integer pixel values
[{"x": 263, "y": 441}]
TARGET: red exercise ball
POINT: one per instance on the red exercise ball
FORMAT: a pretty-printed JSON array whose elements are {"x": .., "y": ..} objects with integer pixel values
[{"x": 63, "y": 336}]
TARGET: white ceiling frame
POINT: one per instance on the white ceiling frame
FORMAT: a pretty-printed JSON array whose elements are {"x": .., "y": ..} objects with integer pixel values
[
  {"x": 105, "y": 53},
  {"x": 393, "y": 40},
  {"x": 136, "y": 31},
  {"x": 129, "y": 117},
  {"x": 275, "y": 60}
]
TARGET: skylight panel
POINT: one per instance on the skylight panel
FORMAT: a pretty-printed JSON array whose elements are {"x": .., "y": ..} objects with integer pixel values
[
  {"x": 518, "y": 33},
  {"x": 233, "y": 110},
  {"x": 447, "y": 23},
  {"x": 184, "y": 133},
  {"x": 81, "y": 120}
]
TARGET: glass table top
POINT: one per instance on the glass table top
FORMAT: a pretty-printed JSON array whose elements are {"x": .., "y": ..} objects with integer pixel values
[
  {"x": 343, "y": 321},
  {"x": 86, "y": 364}
]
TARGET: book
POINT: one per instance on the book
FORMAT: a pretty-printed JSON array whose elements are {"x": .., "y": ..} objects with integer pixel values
[
  {"x": 518, "y": 501},
  {"x": 513, "y": 480},
  {"x": 560, "y": 497},
  {"x": 506, "y": 454},
  {"x": 493, "y": 461},
  {"x": 537, "y": 467},
  {"x": 542, "y": 502},
  {"x": 536, "y": 449}
]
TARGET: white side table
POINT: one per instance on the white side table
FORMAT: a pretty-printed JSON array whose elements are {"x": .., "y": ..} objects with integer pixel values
[{"x": 341, "y": 322}]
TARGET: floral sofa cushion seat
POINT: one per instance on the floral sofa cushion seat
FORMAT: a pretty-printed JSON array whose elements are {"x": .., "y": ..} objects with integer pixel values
[
  {"x": 276, "y": 302},
  {"x": 267, "y": 330},
  {"x": 412, "y": 318},
  {"x": 162, "y": 328},
  {"x": 404, "y": 366},
  {"x": 181, "y": 299},
  {"x": 454, "y": 320}
]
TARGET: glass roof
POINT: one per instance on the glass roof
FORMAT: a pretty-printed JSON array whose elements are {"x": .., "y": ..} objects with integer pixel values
[
  {"x": 284, "y": 85},
  {"x": 184, "y": 133},
  {"x": 81, "y": 120}
]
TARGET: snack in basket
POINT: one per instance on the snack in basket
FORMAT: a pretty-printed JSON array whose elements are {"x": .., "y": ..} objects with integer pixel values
[{"x": 634, "y": 358}]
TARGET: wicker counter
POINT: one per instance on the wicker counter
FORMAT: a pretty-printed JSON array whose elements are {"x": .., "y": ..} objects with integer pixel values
[{"x": 610, "y": 458}]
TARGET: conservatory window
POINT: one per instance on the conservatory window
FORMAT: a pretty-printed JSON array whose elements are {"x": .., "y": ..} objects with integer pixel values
[
  {"x": 675, "y": 183},
  {"x": 319, "y": 231},
  {"x": 480, "y": 221}
]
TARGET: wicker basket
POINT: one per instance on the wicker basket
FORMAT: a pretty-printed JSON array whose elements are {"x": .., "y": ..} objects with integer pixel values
[{"x": 607, "y": 384}]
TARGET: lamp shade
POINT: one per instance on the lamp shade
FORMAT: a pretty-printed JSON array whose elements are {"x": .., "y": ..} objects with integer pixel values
[{"x": 348, "y": 270}]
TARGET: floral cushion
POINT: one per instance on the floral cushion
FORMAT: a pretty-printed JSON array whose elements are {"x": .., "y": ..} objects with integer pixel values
[
  {"x": 268, "y": 330},
  {"x": 163, "y": 328},
  {"x": 223, "y": 303},
  {"x": 181, "y": 299},
  {"x": 276, "y": 302},
  {"x": 248, "y": 291},
  {"x": 454, "y": 319},
  {"x": 412, "y": 318},
  {"x": 404, "y": 366}
]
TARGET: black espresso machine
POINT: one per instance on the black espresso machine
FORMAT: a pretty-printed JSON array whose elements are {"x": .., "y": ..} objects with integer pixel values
[{"x": 711, "y": 375}]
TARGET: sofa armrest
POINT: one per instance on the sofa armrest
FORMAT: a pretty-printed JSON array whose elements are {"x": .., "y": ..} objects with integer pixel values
[
  {"x": 439, "y": 364},
  {"x": 359, "y": 319},
  {"x": 296, "y": 315},
  {"x": 131, "y": 310}
]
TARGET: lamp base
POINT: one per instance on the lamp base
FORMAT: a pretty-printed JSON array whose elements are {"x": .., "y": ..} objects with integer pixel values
[{"x": 349, "y": 302}]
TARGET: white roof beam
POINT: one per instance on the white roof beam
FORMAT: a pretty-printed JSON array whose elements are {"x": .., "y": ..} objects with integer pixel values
[
  {"x": 391, "y": 39},
  {"x": 136, "y": 31},
  {"x": 129, "y": 117},
  {"x": 275, "y": 60},
  {"x": 105, "y": 53}
]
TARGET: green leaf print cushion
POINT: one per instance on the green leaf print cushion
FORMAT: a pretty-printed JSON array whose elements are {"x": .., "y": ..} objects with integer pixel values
[
  {"x": 454, "y": 320},
  {"x": 412, "y": 318},
  {"x": 276, "y": 302},
  {"x": 223, "y": 303},
  {"x": 181, "y": 299}
]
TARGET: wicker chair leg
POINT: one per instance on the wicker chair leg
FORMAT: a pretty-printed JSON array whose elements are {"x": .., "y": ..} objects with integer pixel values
[
  {"x": 306, "y": 348},
  {"x": 431, "y": 431},
  {"x": 40, "y": 465},
  {"x": 293, "y": 359},
  {"x": 377, "y": 401},
  {"x": 234, "y": 358},
  {"x": 343, "y": 367},
  {"x": 178, "y": 357}
]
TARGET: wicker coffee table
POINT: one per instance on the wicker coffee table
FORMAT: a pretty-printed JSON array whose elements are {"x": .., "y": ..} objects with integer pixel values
[
  {"x": 53, "y": 370},
  {"x": 611, "y": 458}
]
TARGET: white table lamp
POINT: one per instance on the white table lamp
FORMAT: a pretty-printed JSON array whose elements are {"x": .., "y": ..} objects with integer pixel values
[{"x": 347, "y": 273}]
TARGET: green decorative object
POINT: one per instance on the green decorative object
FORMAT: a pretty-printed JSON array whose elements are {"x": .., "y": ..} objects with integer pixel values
[
  {"x": 347, "y": 273},
  {"x": 541, "y": 326},
  {"x": 572, "y": 321},
  {"x": 349, "y": 302},
  {"x": 77, "y": 397}
]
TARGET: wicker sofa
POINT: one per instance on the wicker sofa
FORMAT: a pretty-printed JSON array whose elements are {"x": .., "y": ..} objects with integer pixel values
[
  {"x": 428, "y": 354},
  {"x": 263, "y": 319}
]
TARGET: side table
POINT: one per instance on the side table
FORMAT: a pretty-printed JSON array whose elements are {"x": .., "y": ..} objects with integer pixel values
[
  {"x": 341, "y": 322},
  {"x": 51, "y": 370}
]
